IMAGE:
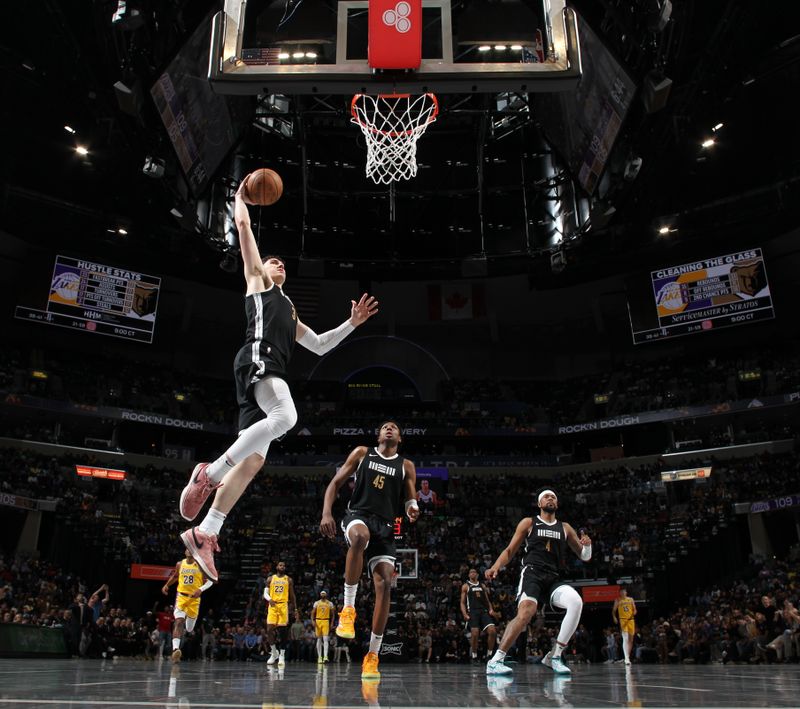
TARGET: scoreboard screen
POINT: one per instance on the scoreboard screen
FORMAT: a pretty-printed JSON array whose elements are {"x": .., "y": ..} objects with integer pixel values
[
  {"x": 700, "y": 296},
  {"x": 105, "y": 300}
]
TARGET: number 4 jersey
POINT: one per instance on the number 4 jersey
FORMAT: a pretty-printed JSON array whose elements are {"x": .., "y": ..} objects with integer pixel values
[
  {"x": 378, "y": 486},
  {"x": 545, "y": 546}
]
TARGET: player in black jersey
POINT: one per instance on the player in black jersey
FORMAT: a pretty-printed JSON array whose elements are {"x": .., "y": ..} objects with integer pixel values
[
  {"x": 546, "y": 541},
  {"x": 384, "y": 484},
  {"x": 477, "y": 609},
  {"x": 266, "y": 409}
]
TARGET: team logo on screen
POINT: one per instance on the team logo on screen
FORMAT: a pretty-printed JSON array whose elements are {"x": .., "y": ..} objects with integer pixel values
[
  {"x": 65, "y": 285},
  {"x": 670, "y": 296}
]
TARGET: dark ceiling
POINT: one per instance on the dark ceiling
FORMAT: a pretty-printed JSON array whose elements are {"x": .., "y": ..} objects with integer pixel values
[{"x": 730, "y": 62}]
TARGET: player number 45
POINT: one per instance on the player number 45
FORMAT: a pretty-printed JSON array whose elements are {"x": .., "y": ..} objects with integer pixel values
[{"x": 378, "y": 482}]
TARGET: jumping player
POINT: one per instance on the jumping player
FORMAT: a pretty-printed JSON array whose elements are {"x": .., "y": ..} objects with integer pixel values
[
  {"x": 266, "y": 409},
  {"x": 546, "y": 540},
  {"x": 476, "y": 607},
  {"x": 322, "y": 614},
  {"x": 384, "y": 482},
  {"x": 191, "y": 583},
  {"x": 623, "y": 612},
  {"x": 279, "y": 595}
]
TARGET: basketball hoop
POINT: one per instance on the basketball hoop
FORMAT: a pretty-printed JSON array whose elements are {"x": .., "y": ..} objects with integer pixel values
[{"x": 392, "y": 124}]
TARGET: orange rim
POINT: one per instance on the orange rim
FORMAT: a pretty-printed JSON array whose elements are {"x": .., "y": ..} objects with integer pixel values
[{"x": 393, "y": 133}]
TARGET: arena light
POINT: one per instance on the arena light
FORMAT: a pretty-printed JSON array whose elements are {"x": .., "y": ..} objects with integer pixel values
[
  {"x": 500, "y": 47},
  {"x": 298, "y": 55},
  {"x": 81, "y": 150},
  {"x": 717, "y": 127},
  {"x": 311, "y": 55},
  {"x": 484, "y": 48},
  {"x": 708, "y": 142},
  {"x": 122, "y": 231},
  {"x": 663, "y": 230},
  {"x": 516, "y": 47},
  {"x": 283, "y": 55},
  {"x": 70, "y": 129}
]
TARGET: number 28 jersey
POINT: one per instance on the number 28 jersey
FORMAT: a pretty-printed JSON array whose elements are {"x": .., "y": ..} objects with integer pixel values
[{"x": 378, "y": 487}]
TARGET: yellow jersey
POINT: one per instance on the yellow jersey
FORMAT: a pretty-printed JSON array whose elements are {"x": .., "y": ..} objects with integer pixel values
[
  {"x": 323, "y": 609},
  {"x": 625, "y": 608},
  {"x": 279, "y": 589},
  {"x": 190, "y": 577}
]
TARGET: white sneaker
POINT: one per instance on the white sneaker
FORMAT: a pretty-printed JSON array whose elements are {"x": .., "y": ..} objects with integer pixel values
[
  {"x": 281, "y": 661},
  {"x": 273, "y": 658},
  {"x": 627, "y": 663},
  {"x": 498, "y": 668},
  {"x": 498, "y": 685},
  {"x": 556, "y": 664}
]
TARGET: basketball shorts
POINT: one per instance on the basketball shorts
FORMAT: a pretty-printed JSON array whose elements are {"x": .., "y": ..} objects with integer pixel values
[
  {"x": 535, "y": 585},
  {"x": 322, "y": 627},
  {"x": 380, "y": 546},
  {"x": 278, "y": 614},
  {"x": 249, "y": 411},
  {"x": 186, "y": 606},
  {"x": 627, "y": 625},
  {"x": 479, "y": 619}
]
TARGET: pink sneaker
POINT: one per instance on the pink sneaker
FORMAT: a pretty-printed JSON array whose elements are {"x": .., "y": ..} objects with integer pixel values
[
  {"x": 202, "y": 546},
  {"x": 196, "y": 492}
]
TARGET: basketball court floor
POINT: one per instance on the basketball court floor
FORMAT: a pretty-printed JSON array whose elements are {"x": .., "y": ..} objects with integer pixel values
[{"x": 132, "y": 683}]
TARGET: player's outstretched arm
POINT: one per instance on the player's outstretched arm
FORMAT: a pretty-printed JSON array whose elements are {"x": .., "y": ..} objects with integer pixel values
[
  {"x": 173, "y": 577},
  {"x": 251, "y": 258},
  {"x": 328, "y": 526},
  {"x": 410, "y": 482},
  {"x": 508, "y": 553},
  {"x": 360, "y": 312}
]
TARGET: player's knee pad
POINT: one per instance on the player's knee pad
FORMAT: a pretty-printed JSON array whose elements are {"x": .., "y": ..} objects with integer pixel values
[{"x": 567, "y": 598}]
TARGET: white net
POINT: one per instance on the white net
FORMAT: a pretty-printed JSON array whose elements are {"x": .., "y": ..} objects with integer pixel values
[{"x": 392, "y": 124}]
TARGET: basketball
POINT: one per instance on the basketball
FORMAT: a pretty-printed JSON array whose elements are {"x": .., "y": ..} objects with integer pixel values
[{"x": 264, "y": 187}]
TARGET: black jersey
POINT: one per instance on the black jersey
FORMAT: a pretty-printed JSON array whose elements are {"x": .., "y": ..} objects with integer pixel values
[
  {"x": 476, "y": 597},
  {"x": 545, "y": 546},
  {"x": 378, "y": 488},
  {"x": 271, "y": 333}
]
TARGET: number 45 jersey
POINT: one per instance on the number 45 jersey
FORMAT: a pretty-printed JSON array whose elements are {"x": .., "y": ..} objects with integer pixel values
[{"x": 378, "y": 486}]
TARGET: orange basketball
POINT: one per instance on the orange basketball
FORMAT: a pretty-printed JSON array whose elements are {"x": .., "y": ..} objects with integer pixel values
[{"x": 264, "y": 187}]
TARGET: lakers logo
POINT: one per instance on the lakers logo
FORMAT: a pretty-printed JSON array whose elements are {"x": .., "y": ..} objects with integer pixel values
[
  {"x": 670, "y": 296},
  {"x": 65, "y": 286}
]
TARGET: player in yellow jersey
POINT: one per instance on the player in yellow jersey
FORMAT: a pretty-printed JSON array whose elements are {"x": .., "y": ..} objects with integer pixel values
[
  {"x": 322, "y": 615},
  {"x": 191, "y": 583},
  {"x": 623, "y": 612},
  {"x": 279, "y": 595}
]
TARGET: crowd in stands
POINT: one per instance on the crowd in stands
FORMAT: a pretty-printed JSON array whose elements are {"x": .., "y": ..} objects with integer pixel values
[
  {"x": 626, "y": 511},
  {"x": 468, "y": 406}
]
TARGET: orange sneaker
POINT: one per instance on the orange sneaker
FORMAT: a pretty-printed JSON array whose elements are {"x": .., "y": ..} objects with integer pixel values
[
  {"x": 346, "y": 626},
  {"x": 369, "y": 668},
  {"x": 369, "y": 690}
]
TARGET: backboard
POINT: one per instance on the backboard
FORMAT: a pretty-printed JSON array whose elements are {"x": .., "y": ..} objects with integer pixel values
[{"x": 321, "y": 47}]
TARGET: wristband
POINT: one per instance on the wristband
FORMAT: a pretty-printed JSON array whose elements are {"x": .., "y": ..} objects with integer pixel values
[
  {"x": 411, "y": 503},
  {"x": 586, "y": 553}
]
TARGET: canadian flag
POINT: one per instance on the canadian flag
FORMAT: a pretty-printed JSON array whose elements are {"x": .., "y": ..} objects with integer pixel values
[{"x": 456, "y": 301}]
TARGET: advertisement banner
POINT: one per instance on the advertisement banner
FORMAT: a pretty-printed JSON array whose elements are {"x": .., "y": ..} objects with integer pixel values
[
  {"x": 150, "y": 572},
  {"x": 776, "y": 503},
  {"x": 600, "y": 594}
]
